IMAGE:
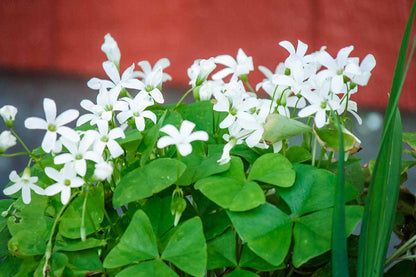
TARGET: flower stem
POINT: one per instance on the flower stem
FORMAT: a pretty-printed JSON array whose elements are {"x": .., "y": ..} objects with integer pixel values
[
  {"x": 49, "y": 246},
  {"x": 15, "y": 154},
  {"x": 183, "y": 97},
  {"x": 248, "y": 85},
  {"x": 84, "y": 208},
  {"x": 315, "y": 143}
]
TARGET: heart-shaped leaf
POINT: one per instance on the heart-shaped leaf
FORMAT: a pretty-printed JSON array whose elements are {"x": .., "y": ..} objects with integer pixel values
[
  {"x": 187, "y": 248},
  {"x": 138, "y": 243},
  {"x": 266, "y": 230},
  {"x": 273, "y": 169},
  {"x": 143, "y": 182}
]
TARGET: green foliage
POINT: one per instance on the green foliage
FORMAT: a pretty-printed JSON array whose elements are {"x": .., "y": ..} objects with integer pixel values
[{"x": 144, "y": 182}]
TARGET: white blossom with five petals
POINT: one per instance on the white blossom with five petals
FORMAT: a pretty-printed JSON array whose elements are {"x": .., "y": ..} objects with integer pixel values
[
  {"x": 53, "y": 125},
  {"x": 26, "y": 184},
  {"x": 182, "y": 138}
]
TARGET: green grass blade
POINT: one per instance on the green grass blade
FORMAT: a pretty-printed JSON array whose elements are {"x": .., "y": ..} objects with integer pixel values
[
  {"x": 398, "y": 79},
  {"x": 381, "y": 203},
  {"x": 383, "y": 193},
  {"x": 339, "y": 237}
]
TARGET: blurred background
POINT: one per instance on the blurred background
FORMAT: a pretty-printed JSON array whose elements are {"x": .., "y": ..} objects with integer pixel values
[{"x": 51, "y": 48}]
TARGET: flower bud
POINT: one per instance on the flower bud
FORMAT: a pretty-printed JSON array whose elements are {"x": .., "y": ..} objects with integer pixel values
[
  {"x": 177, "y": 205},
  {"x": 103, "y": 171},
  {"x": 8, "y": 113},
  {"x": 199, "y": 71},
  {"x": 110, "y": 48},
  {"x": 7, "y": 140}
]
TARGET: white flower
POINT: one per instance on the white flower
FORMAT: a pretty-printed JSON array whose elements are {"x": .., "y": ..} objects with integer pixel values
[
  {"x": 53, "y": 124},
  {"x": 242, "y": 66},
  {"x": 147, "y": 69},
  {"x": 254, "y": 123},
  {"x": 7, "y": 140},
  {"x": 65, "y": 179},
  {"x": 320, "y": 101},
  {"x": 234, "y": 101},
  {"x": 236, "y": 136},
  {"x": 78, "y": 154},
  {"x": 110, "y": 48},
  {"x": 107, "y": 102},
  {"x": 107, "y": 138},
  {"x": 137, "y": 110},
  {"x": 209, "y": 88},
  {"x": 225, "y": 157},
  {"x": 368, "y": 63},
  {"x": 336, "y": 67},
  {"x": 182, "y": 138},
  {"x": 200, "y": 70},
  {"x": 103, "y": 170},
  {"x": 127, "y": 79},
  {"x": 154, "y": 78},
  {"x": 26, "y": 183},
  {"x": 8, "y": 112}
]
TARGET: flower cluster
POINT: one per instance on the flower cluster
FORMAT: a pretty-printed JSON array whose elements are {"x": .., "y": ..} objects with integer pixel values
[{"x": 312, "y": 84}]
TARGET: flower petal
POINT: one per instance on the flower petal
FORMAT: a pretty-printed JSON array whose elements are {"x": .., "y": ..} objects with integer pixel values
[
  {"x": 49, "y": 107},
  {"x": 184, "y": 149},
  {"x": 36, "y": 123},
  {"x": 48, "y": 141},
  {"x": 63, "y": 158},
  {"x": 165, "y": 141},
  {"x": 68, "y": 133},
  {"x": 111, "y": 69},
  {"x": 66, "y": 117},
  {"x": 53, "y": 189},
  {"x": 12, "y": 189},
  {"x": 53, "y": 174},
  {"x": 26, "y": 194},
  {"x": 114, "y": 148}
]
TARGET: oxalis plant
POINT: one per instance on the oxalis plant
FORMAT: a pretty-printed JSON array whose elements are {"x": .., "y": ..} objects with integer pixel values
[{"x": 213, "y": 188}]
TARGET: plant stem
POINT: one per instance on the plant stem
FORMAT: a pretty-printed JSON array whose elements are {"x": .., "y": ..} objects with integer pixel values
[
  {"x": 409, "y": 244},
  {"x": 249, "y": 86},
  {"x": 314, "y": 151},
  {"x": 84, "y": 208},
  {"x": 183, "y": 97},
  {"x": 49, "y": 246},
  {"x": 15, "y": 154}
]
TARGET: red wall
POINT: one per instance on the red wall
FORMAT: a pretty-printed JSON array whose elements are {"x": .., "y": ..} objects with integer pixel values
[{"x": 66, "y": 35}]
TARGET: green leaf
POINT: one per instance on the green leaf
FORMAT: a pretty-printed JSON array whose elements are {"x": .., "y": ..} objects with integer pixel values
[
  {"x": 404, "y": 268},
  {"x": 410, "y": 139},
  {"x": 144, "y": 182},
  {"x": 250, "y": 260},
  {"x": 70, "y": 223},
  {"x": 187, "y": 248},
  {"x": 266, "y": 230},
  {"x": 279, "y": 127},
  {"x": 298, "y": 154},
  {"x": 312, "y": 232},
  {"x": 131, "y": 141},
  {"x": 159, "y": 212},
  {"x": 273, "y": 169},
  {"x": 4, "y": 205},
  {"x": 27, "y": 243},
  {"x": 58, "y": 263},
  {"x": 31, "y": 217},
  {"x": 4, "y": 238},
  {"x": 314, "y": 189},
  {"x": 238, "y": 272},
  {"x": 215, "y": 224},
  {"x": 245, "y": 152},
  {"x": 230, "y": 190},
  {"x": 138, "y": 243},
  {"x": 83, "y": 263},
  {"x": 230, "y": 193},
  {"x": 146, "y": 269},
  {"x": 64, "y": 244},
  {"x": 221, "y": 251},
  {"x": 330, "y": 140}
]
